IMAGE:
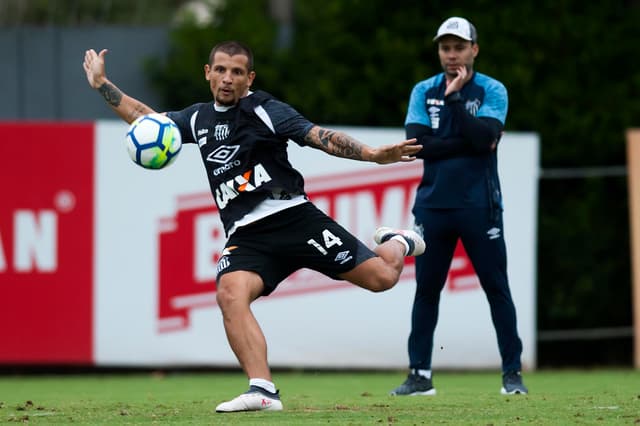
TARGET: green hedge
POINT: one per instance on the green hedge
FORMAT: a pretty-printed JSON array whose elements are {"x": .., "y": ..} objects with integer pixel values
[{"x": 573, "y": 73}]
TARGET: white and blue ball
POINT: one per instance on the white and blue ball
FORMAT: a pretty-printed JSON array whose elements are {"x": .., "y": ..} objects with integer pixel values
[{"x": 153, "y": 141}]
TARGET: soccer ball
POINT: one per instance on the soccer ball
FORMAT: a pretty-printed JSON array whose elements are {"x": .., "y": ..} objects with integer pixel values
[{"x": 153, "y": 141}]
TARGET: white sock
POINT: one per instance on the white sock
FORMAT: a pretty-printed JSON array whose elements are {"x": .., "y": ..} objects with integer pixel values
[
  {"x": 423, "y": 373},
  {"x": 403, "y": 241},
  {"x": 264, "y": 384}
]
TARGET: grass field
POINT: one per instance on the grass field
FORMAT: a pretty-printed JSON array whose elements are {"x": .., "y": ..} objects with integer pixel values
[{"x": 597, "y": 397}]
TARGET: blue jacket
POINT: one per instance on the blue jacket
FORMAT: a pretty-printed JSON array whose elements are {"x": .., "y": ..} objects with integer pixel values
[{"x": 460, "y": 167}]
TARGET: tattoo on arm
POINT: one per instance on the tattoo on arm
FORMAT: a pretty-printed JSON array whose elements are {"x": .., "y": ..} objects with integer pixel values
[
  {"x": 114, "y": 97},
  {"x": 111, "y": 94},
  {"x": 138, "y": 110},
  {"x": 335, "y": 143}
]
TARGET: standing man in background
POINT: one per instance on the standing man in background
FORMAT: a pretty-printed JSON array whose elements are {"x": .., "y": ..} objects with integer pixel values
[{"x": 458, "y": 117}]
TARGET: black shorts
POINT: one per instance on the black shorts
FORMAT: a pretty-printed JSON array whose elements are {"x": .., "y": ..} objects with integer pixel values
[{"x": 298, "y": 237}]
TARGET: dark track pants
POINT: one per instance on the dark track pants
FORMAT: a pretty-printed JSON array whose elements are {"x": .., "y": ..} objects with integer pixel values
[{"x": 475, "y": 227}]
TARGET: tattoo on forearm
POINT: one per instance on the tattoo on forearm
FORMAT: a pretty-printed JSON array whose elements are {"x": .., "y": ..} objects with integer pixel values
[
  {"x": 336, "y": 143},
  {"x": 137, "y": 111},
  {"x": 111, "y": 94}
]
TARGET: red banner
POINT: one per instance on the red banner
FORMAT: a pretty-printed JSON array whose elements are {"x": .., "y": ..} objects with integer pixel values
[{"x": 46, "y": 243}]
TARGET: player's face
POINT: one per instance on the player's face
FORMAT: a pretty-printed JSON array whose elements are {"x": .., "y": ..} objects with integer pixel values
[
  {"x": 229, "y": 78},
  {"x": 455, "y": 52}
]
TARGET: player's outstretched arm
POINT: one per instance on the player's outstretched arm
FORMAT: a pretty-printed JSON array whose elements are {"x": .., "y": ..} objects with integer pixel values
[
  {"x": 125, "y": 106},
  {"x": 342, "y": 145}
]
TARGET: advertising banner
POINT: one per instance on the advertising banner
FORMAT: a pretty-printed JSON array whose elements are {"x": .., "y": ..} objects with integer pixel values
[
  {"x": 46, "y": 243},
  {"x": 143, "y": 247}
]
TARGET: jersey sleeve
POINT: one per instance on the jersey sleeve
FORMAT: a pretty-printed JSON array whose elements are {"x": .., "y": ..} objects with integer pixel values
[
  {"x": 287, "y": 122},
  {"x": 185, "y": 119},
  {"x": 417, "y": 109},
  {"x": 496, "y": 102}
]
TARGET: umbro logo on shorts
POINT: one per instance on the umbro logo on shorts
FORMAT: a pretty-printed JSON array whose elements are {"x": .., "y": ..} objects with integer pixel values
[{"x": 343, "y": 257}]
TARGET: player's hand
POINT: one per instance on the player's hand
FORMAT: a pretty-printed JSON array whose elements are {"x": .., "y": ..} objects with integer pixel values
[
  {"x": 464, "y": 75},
  {"x": 403, "y": 151},
  {"x": 94, "y": 67}
]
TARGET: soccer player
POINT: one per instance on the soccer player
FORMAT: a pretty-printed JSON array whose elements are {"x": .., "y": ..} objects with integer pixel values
[
  {"x": 458, "y": 116},
  {"x": 272, "y": 227}
]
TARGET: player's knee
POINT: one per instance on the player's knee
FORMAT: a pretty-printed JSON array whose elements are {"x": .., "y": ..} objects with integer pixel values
[
  {"x": 225, "y": 296},
  {"x": 221, "y": 297},
  {"x": 374, "y": 275},
  {"x": 380, "y": 287},
  {"x": 382, "y": 280}
]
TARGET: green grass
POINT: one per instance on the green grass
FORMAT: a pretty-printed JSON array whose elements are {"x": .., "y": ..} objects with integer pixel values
[{"x": 589, "y": 397}]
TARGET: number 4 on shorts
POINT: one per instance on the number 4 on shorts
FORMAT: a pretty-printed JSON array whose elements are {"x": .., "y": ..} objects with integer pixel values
[{"x": 330, "y": 240}]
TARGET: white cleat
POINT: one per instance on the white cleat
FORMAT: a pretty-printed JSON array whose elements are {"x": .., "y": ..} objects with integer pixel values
[
  {"x": 255, "y": 399},
  {"x": 416, "y": 244}
]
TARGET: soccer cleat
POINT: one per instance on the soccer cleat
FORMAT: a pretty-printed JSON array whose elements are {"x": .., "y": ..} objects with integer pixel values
[
  {"x": 415, "y": 241},
  {"x": 255, "y": 399},
  {"x": 512, "y": 384},
  {"x": 415, "y": 385}
]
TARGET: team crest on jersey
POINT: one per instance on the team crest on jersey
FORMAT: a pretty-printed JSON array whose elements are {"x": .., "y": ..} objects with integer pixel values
[
  {"x": 221, "y": 131},
  {"x": 472, "y": 106}
]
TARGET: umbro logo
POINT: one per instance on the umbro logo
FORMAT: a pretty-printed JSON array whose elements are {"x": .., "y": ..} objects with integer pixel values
[
  {"x": 343, "y": 257},
  {"x": 493, "y": 233},
  {"x": 223, "y": 154}
]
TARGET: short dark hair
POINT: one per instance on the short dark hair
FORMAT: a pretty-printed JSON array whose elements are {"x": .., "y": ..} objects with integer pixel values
[{"x": 232, "y": 47}]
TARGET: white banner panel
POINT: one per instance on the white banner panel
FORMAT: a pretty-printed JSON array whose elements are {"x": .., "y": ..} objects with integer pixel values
[{"x": 158, "y": 238}]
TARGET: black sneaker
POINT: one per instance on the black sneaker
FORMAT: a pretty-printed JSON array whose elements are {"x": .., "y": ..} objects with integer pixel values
[
  {"x": 415, "y": 385},
  {"x": 512, "y": 384}
]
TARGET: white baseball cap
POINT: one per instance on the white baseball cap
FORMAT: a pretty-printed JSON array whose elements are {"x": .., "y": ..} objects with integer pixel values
[{"x": 458, "y": 27}]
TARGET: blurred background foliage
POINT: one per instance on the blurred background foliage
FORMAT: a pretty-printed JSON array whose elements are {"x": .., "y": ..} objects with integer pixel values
[
  {"x": 571, "y": 68},
  {"x": 572, "y": 75}
]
